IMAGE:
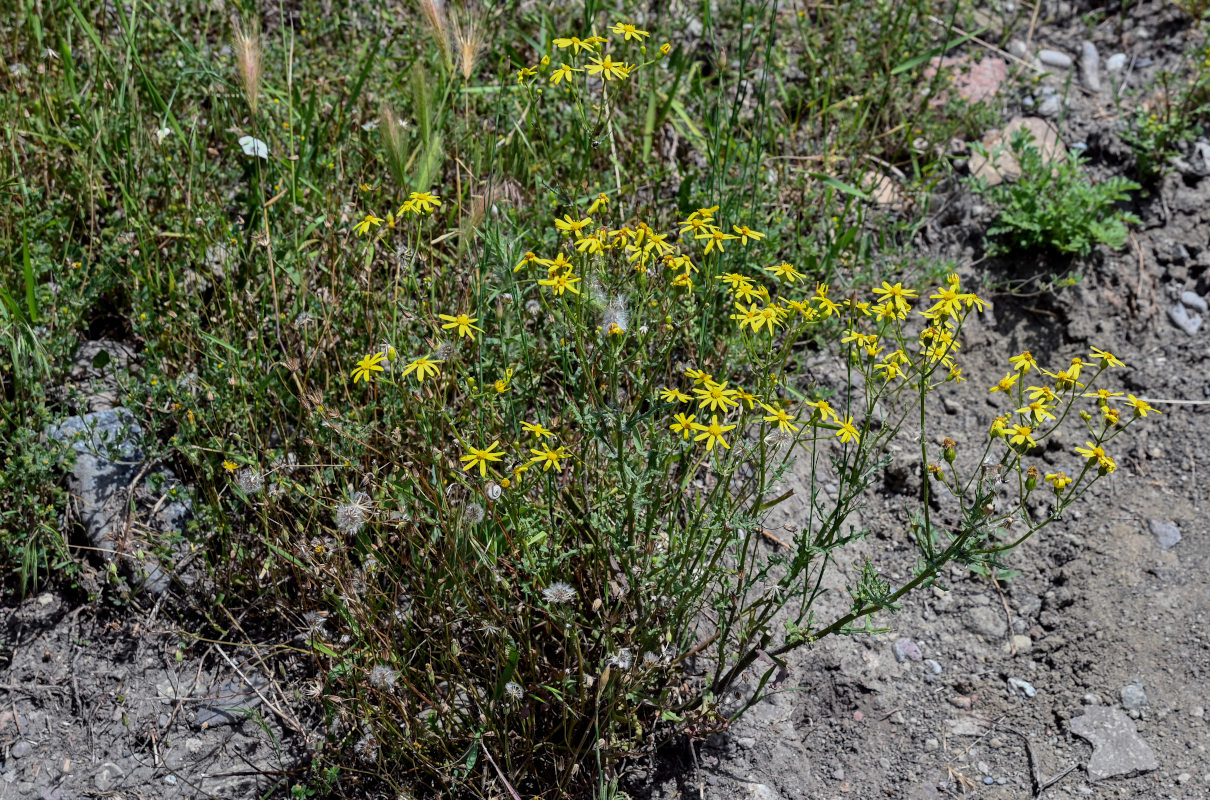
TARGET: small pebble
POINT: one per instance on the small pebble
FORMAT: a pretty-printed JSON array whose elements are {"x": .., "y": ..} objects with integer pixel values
[
  {"x": 1017, "y": 49},
  {"x": 838, "y": 773},
  {"x": 1050, "y": 106},
  {"x": 1181, "y": 318},
  {"x": 1090, "y": 700},
  {"x": 932, "y": 666},
  {"x": 1166, "y": 533},
  {"x": 905, "y": 649},
  {"x": 170, "y": 780},
  {"x": 1116, "y": 62},
  {"x": 1132, "y": 696},
  {"x": 1053, "y": 58},
  {"x": 1195, "y": 301},
  {"x": 21, "y": 749},
  {"x": 1024, "y": 686},
  {"x": 931, "y": 744},
  {"x": 1090, "y": 66}
]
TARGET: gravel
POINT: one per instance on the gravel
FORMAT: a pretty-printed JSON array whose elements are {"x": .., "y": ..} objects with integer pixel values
[{"x": 1054, "y": 58}]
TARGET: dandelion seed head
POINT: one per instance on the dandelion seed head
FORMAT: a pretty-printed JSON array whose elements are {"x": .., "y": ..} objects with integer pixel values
[
  {"x": 367, "y": 749},
  {"x": 250, "y": 481},
  {"x": 559, "y": 593},
  {"x": 514, "y": 690},
  {"x": 383, "y": 677},
  {"x": 445, "y": 351},
  {"x": 351, "y": 516},
  {"x": 473, "y": 513},
  {"x": 533, "y": 308},
  {"x": 623, "y": 659}
]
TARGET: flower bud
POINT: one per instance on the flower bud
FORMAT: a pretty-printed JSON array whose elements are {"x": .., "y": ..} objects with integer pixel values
[
  {"x": 949, "y": 450},
  {"x": 665, "y": 49}
]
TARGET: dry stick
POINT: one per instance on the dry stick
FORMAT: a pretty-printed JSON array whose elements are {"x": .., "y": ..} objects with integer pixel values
[
  {"x": 290, "y": 721},
  {"x": 1007, "y": 615},
  {"x": 1033, "y": 23},
  {"x": 496, "y": 766}
]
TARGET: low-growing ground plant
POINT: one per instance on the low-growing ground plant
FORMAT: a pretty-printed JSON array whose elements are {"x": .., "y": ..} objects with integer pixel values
[{"x": 1054, "y": 205}]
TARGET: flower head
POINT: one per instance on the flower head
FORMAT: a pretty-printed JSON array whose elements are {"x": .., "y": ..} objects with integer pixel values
[
  {"x": 559, "y": 592},
  {"x": 481, "y": 458},
  {"x": 463, "y": 322},
  {"x": 370, "y": 221},
  {"x": 713, "y": 433},
  {"x": 422, "y": 366}
]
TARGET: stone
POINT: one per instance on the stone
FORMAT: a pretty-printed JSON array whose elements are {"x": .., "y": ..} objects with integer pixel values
[
  {"x": 1132, "y": 696},
  {"x": 931, "y": 744},
  {"x": 905, "y": 649},
  {"x": 1020, "y": 644},
  {"x": 1025, "y": 687},
  {"x": 1000, "y": 165},
  {"x": 1181, "y": 318},
  {"x": 1090, "y": 66},
  {"x": 108, "y": 776},
  {"x": 1017, "y": 49},
  {"x": 1194, "y": 301},
  {"x": 229, "y": 704},
  {"x": 1054, "y": 58},
  {"x": 974, "y": 81},
  {"x": 1116, "y": 62},
  {"x": 984, "y": 621},
  {"x": 1166, "y": 533},
  {"x": 1051, "y": 106},
  {"x": 21, "y": 749},
  {"x": 1117, "y": 748},
  {"x": 932, "y": 666}
]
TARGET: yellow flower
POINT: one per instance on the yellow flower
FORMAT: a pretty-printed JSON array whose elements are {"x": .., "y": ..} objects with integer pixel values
[
  {"x": 716, "y": 238},
  {"x": 571, "y": 225},
  {"x": 1141, "y": 407},
  {"x": 463, "y": 322},
  {"x": 745, "y": 233},
  {"x": 748, "y": 291},
  {"x": 1059, "y": 480},
  {"x": 564, "y": 73},
  {"x": 1038, "y": 410},
  {"x": 424, "y": 201},
  {"x": 537, "y": 430},
  {"x": 556, "y": 264},
  {"x": 823, "y": 410},
  {"x": 367, "y": 366},
  {"x": 548, "y": 458},
  {"x": 370, "y": 221},
  {"x": 713, "y": 433},
  {"x": 782, "y": 417},
  {"x": 1106, "y": 358},
  {"x": 602, "y": 201},
  {"x": 526, "y": 72},
  {"x": 1103, "y": 395},
  {"x": 748, "y": 317},
  {"x": 1097, "y": 453},
  {"x": 481, "y": 458},
  {"x": 716, "y": 396},
  {"x": 528, "y": 258},
  {"x": 825, "y": 304},
  {"x": 787, "y": 271},
  {"x": 1023, "y": 435},
  {"x": 848, "y": 431},
  {"x": 897, "y": 295},
  {"x": 422, "y": 366},
  {"x": 607, "y": 68},
  {"x": 629, "y": 31},
  {"x": 674, "y": 396},
  {"x": 746, "y": 397},
  {"x": 890, "y": 370},
  {"x": 1006, "y": 383},
  {"x": 698, "y": 376},
  {"x": 562, "y": 283},
  {"x": 665, "y": 49},
  {"x": 230, "y": 466},
  {"x": 1024, "y": 363},
  {"x": 577, "y": 44},
  {"x": 683, "y": 425}
]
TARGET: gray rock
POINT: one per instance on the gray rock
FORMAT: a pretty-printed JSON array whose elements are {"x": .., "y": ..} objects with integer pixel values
[
  {"x": 905, "y": 649},
  {"x": 1053, "y": 58},
  {"x": 1017, "y": 48},
  {"x": 108, "y": 776},
  {"x": 931, "y": 744},
  {"x": 230, "y": 703},
  {"x": 1117, "y": 748},
  {"x": 1132, "y": 696},
  {"x": 1189, "y": 323},
  {"x": 1025, "y": 687},
  {"x": 1166, "y": 533},
  {"x": 21, "y": 749},
  {"x": 1090, "y": 66},
  {"x": 25, "y": 787},
  {"x": 932, "y": 666},
  {"x": 984, "y": 621},
  {"x": 1050, "y": 106},
  {"x": 1116, "y": 62},
  {"x": 50, "y": 794},
  {"x": 759, "y": 791},
  {"x": 1195, "y": 301}
]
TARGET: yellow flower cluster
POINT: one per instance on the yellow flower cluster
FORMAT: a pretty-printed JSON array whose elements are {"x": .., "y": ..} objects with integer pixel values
[
  {"x": 417, "y": 204},
  {"x": 599, "y": 64}
]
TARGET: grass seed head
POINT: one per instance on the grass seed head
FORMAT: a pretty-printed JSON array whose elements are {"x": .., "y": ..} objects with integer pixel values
[{"x": 248, "y": 62}]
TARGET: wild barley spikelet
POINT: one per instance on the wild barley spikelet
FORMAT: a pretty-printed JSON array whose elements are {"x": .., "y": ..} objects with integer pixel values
[
  {"x": 433, "y": 12},
  {"x": 382, "y": 677},
  {"x": 351, "y": 516},
  {"x": 559, "y": 593},
  {"x": 468, "y": 38},
  {"x": 248, "y": 62}
]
